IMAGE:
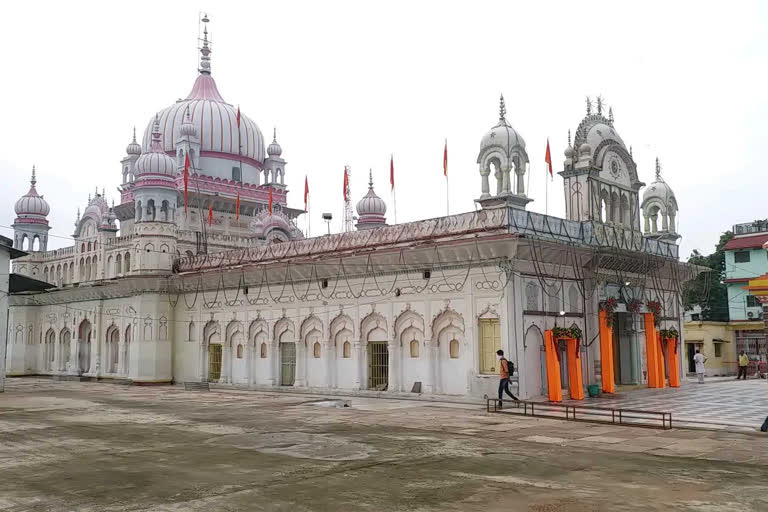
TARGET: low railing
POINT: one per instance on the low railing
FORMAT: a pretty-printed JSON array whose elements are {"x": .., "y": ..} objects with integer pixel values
[{"x": 633, "y": 417}]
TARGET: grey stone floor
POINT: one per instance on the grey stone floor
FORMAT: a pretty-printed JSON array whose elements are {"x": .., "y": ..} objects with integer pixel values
[{"x": 100, "y": 447}]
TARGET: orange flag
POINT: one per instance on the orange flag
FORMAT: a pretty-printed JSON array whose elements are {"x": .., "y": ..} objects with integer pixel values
[
  {"x": 346, "y": 184},
  {"x": 306, "y": 192},
  {"x": 548, "y": 159},
  {"x": 445, "y": 159},
  {"x": 270, "y": 200},
  {"x": 392, "y": 171},
  {"x": 237, "y": 206},
  {"x": 186, "y": 182},
  {"x": 210, "y": 213}
]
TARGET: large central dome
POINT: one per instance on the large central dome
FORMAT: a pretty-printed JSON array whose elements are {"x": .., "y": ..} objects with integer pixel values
[{"x": 214, "y": 118}]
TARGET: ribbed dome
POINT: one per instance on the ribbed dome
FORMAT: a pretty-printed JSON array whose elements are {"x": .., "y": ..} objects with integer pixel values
[
  {"x": 274, "y": 148},
  {"x": 133, "y": 148},
  {"x": 502, "y": 137},
  {"x": 371, "y": 209},
  {"x": 214, "y": 120},
  {"x": 31, "y": 206},
  {"x": 156, "y": 161}
]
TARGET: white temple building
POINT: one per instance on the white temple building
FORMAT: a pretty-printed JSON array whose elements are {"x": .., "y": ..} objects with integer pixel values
[{"x": 151, "y": 293}]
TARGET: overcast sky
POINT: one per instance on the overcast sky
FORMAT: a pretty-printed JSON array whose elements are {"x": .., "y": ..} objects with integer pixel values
[{"x": 352, "y": 82}]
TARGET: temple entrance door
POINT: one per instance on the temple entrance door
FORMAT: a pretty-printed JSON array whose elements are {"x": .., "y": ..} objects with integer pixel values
[
  {"x": 287, "y": 364},
  {"x": 214, "y": 362},
  {"x": 378, "y": 366},
  {"x": 691, "y": 349},
  {"x": 564, "y": 381}
]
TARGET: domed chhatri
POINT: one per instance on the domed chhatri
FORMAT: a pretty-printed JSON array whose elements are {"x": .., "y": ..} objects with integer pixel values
[
  {"x": 134, "y": 148},
  {"x": 31, "y": 207},
  {"x": 502, "y": 152},
  {"x": 274, "y": 148},
  {"x": 216, "y": 121},
  {"x": 156, "y": 161},
  {"x": 371, "y": 209},
  {"x": 30, "y": 228},
  {"x": 659, "y": 204}
]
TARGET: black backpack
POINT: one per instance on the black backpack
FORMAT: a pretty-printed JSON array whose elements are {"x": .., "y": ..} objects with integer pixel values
[{"x": 510, "y": 367}]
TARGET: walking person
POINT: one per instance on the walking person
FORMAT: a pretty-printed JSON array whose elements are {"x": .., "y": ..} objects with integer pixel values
[
  {"x": 505, "y": 372},
  {"x": 699, "y": 359},
  {"x": 743, "y": 364}
]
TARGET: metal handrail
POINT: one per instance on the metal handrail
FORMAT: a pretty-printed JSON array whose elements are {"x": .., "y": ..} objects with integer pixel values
[{"x": 586, "y": 413}]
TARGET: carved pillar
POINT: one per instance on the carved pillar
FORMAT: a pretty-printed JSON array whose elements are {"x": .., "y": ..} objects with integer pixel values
[
  {"x": 393, "y": 383},
  {"x": 506, "y": 181},
  {"x": 647, "y": 224},
  {"x": 664, "y": 221},
  {"x": 273, "y": 360},
  {"x": 329, "y": 356},
  {"x": 672, "y": 222},
  {"x": 301, "y": 365},
  {"x": 499, "y": 181},
  {"x": 485, "y": 188},
  {"x": 429, "y": 380},
  {"x": 54, "y": 365},
  {"x": 357, "y": 350},
  {"x": 520, "y": 182}
]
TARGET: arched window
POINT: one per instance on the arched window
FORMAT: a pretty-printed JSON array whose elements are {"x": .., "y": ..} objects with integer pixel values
[
  {"x": 164, "y": 210},
  {"x": 72, "y": 272},
  {"x": 108, "y": 269},
  {"x": 239, "y": 350},
  {"x": 191, "y": 331},
  {"x": 88, "y": 268},
  {"x": 414, "y": 348},
  {"x": 82, "y": 247},
  {"x": 45, "y": 274},
  {"x": 127, "y": 262},
  {"x": 263, "y": 351},
  {"x": 138, "y": 211},
  {"x": 89, "y": 246},
  {"x": 118, "y": 264},
  {"x": 316, "y": 350},
  {"x": 346, "y": 350},
  {"x": 454, "y": 349}
]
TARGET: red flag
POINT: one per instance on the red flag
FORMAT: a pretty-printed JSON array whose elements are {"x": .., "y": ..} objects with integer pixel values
[
  {"x": 445, "y": 159},
  {"x": 238, "y": 117},
  {"x": 548, "y": 159},
  {"x": 210, "y": 213},
  {"x": 306, "y": 192},
  {"x": 392, "y": 171},
  {"x": 186, "y": 182},
  {"x": 270, "y": 200},
  {"x": 346, "y": 184},
  {"x": 237, "y": 206}
]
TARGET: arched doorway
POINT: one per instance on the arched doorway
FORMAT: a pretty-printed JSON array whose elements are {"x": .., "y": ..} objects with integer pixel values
[
  {"x": 64, "y": 349},
  {"x": 534, "y": 364},
  {"x": 113, "y": 350},
  {"x": 214, "y": 362},
  {"x": 49, "y": 350},
  {"x": 84, "y": 347}
]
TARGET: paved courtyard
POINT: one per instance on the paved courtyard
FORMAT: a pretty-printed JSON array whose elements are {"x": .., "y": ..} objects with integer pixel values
[
  {"x": 100, "y": 447},
  {"x": 718, "y": 403}
]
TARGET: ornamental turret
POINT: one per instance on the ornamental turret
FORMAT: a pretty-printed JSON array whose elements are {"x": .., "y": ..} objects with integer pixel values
[
  {"x": 30, "y": 228},
  {"x": 371, "y": 209},
  {"x": 659, "y": 209}
]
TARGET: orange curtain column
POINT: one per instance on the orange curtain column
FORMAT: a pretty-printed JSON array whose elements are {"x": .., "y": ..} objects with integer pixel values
[
  {"x": 652, "y": 349},
  {"x": 660, "y": 360},
  {"x": 575, "y": 381},
  {"x": 554, "y": 385},
  {"x": 606, "y": 354},
  {"x": 673, "y": 363}
]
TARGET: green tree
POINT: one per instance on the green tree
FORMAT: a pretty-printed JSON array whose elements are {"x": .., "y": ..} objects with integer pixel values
[{"x": 708, "y": 289}]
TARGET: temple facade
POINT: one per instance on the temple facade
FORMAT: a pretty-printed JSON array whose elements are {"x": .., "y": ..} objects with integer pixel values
[{"x": 200, "y": 273}]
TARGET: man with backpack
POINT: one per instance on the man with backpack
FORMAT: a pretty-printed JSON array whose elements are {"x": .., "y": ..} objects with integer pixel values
[{"x": 506, "y": 369}]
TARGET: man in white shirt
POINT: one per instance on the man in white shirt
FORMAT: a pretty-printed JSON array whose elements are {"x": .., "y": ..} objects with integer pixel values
[{"x": 699, "y": 359}]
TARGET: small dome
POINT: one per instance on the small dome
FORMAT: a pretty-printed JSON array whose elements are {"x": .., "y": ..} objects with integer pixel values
[
  {"x": 32, "y": 205},
  {"x": 569, "y": 151},
  {"x": 585, "y": 149},
  {"x": 371, "y": 209},
  {"x": 660, "y": 190},
  {"x": 274, "y": 149},
  {"x": 133, "y": 148},
  {"x": 502, "y": 136},
  {"x": 156, "y": 161}
]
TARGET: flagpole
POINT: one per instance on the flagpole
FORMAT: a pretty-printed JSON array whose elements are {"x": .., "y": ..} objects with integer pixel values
[
  {"x": 445, "y": 171},
  {"x": 546, "y": 195},
  {"x": 392, "y": 183}
]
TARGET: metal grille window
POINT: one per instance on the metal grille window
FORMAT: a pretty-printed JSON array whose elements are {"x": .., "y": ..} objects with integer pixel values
[
  {"x": 741, "y": 257},
  {"x": 378, "y": 366},
  {"x": 489, "y": 343},
  {"x": 752, "y": 302},
  {"x": 751, "y": 342},
  {"x": 287, "y": 363},
  {"x": 214, "y": 362}
]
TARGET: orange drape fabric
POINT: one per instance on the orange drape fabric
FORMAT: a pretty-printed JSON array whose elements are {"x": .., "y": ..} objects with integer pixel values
[
  {"x": 673, "y": 363},
  {"x": 606, "y": 354},
  {"x": 653, "y": 354},
  {"x": 575, "y": 381},
  {"x": 660, "y": 361},
  {"x": 554, "y": 386}
]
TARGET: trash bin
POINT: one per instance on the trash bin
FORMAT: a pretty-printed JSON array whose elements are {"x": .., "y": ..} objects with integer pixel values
[{"x": 593, "y": 390}]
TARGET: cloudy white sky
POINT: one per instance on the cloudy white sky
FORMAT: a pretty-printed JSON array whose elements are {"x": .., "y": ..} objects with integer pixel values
[{"x": 352, "y": 82}]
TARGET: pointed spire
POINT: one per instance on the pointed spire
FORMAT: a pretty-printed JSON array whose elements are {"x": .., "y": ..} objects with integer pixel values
[
  {"x": 34, "y": 179},
  {"x": 502, "y": 109},
  {"x": 134, "y": 134},
  {"x": 630, "y": 151},
  {"x": 569, "y": 136},
  {"x": 103, "y": 192},
  {"x": 205, "y": 51},
  {"x": 599, "y": 105},
  {"x": 157, "y": 145},
  {"x": 610, "y": 114},
  {"x": 589, "y": 105},
  {"x": 658, "y": 169},
  {"x": 77, "y": 219},
  {"x": 370, "y": 179},
  {"x": 274, "y": 134}
]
